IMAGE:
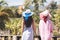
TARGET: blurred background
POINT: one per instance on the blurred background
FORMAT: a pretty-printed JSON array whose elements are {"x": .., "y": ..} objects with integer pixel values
[{"x": 11, "y": 14}]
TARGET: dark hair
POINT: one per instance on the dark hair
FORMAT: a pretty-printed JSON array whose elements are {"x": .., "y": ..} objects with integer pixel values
[{"x": 28, "y": 22}]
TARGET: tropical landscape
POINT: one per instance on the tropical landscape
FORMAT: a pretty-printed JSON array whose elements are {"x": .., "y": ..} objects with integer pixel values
[{"x": 11, "y": 16}]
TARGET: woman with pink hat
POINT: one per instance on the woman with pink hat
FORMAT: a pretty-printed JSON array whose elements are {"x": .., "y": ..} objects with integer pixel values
[
  {"x": 45, "y": 25},
  {"x": 28, "y": 25}
]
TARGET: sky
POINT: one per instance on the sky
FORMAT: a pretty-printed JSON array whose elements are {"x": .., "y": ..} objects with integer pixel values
[
  {"x": 21, "y": 2},
  {"x": 58, "y": 1},
  {"x": 14, "y": 2}
]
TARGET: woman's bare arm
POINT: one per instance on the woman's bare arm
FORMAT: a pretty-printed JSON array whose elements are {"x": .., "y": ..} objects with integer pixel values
[
  {"x": 22, "y": 26},
  {"x": 34, "y": 27}
]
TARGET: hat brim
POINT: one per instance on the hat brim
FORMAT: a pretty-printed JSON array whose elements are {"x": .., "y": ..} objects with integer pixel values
[{"x": 24, "y": 15}]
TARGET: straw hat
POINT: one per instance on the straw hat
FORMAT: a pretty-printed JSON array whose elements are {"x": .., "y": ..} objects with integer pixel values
[
  {"x": 27, "y": 13},
  {"x": 45, "y": 13}
]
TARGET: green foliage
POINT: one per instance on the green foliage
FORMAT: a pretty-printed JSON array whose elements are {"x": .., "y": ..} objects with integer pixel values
[
  {"x": 8, "y": 12},
  {"x": 53, "y": 5},
  {"x": 27, "y": 3},
  {"x": 57, "y": 18},
  {"x": 14, "y": 25},
  {"x": 56, "y": 21},
  {"x": 43, "y": 1},
  {"x": 2, "y": 2},
  {"x": 55, "y": 33},
  {"x": 2, "y": 21},
  {"x": 36, "y": 19}
]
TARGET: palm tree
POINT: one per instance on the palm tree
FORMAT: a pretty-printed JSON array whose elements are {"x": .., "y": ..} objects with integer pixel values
[
  {"x": 37, "y": 3},
  {"x": 2, "y": 15},
  {"x": 2, "y": 3},
  {"x": 27, "y": 3},
  {"x": 53, "y": 5}
]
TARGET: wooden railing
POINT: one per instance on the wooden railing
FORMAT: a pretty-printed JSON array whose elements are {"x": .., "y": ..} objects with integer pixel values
[{"x": 17, "y": 37}]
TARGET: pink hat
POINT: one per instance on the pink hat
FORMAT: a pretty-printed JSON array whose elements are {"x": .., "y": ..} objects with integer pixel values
[{"x": 45, "y": 13}]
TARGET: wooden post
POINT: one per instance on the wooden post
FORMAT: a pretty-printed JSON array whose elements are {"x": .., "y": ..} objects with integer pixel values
[
  {"x": 3, "y": 38},
  {"x": 55, "y": 38},
  {"x": 37, "y": 37},
  {"x": 6, "y": 38},
  {"x": 14, "y": 38},
  {"x": 9, "y": 37},
  {"x": 0, "y": 37},
  {"x": 18, "y": 37}
]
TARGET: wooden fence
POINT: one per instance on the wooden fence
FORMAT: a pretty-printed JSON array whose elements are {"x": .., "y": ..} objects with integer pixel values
[{"x": 17, "y": 37}]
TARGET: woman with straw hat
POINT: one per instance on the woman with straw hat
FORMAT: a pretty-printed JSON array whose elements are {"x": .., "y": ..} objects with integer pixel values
[
  {"x": 28, "y": 25},
  {"x": 45, "y": 25}
]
